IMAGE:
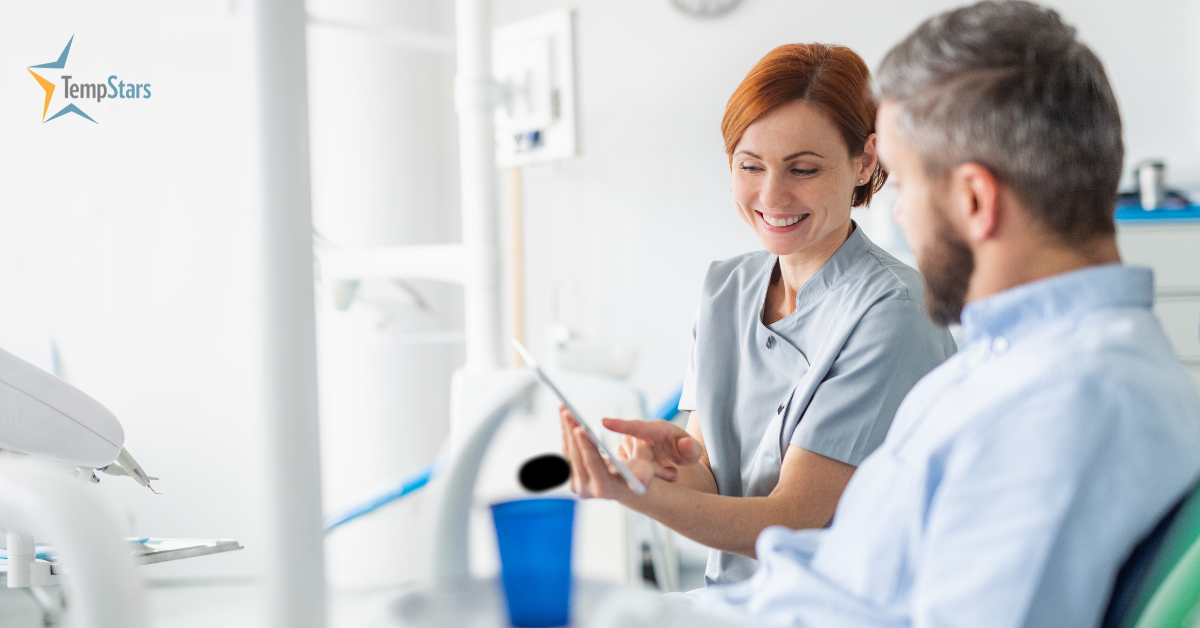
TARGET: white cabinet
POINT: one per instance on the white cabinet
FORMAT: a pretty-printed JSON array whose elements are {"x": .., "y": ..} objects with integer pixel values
[{"x": 1173, "y": 251}]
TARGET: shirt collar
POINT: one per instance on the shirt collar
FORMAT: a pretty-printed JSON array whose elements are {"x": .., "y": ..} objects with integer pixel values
[{"x": 1013, "y": 312}]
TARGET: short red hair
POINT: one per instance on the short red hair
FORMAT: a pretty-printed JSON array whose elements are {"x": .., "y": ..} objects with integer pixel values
[{"x": 834, "y": 78}]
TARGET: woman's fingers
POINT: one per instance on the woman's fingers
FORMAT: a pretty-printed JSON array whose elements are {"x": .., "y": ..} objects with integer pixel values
[
  {"x": 602, "y": 481},
  {"x": 589, "y": 472},
  {"x": 625, "y": 448},
  {"x": 592, "y": 475},
  {"x": 645, "y": 455},
  {"x": 643, "y": 470},
  {"x": 645, "y": 430},
  {"x": 569, "y": 452},
  {"x": 672, "y": 445},
  {"x": 687, "y": 451},
  {"x": 579, "y": 466},
  {"x": 562, "y": 429}
]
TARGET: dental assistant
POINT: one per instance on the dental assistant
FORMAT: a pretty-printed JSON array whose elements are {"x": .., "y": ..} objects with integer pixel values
[{"x": 802, "y": 351}]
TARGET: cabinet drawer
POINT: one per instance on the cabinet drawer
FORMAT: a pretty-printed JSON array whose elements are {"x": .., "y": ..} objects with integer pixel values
[{"x": 1173, "y": 251}]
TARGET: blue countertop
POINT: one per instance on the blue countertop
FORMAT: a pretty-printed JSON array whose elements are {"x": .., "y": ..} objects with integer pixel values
[{"x": 1134, "y": 214}]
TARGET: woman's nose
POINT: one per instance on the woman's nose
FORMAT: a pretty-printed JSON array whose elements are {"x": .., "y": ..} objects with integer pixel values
[{"x": 774, "y": 193}]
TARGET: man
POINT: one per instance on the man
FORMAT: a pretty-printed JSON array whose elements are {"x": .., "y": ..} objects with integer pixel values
[{"x": 1018, "y": 475}]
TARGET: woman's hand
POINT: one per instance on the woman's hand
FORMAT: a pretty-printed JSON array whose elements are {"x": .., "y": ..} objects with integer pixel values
[
  {"x": 591, "y": 474},
  {"x": 663, "y": 444}
]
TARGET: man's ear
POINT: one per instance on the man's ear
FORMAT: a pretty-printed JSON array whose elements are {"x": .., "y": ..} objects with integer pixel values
[{"x": 978, "y": 201}]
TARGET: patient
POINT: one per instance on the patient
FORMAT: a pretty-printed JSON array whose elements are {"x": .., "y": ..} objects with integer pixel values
[{"x": 1018, "y": 475}]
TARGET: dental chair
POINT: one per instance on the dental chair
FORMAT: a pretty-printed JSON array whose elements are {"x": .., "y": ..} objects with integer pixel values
[{"x": 1159, "y": 584}]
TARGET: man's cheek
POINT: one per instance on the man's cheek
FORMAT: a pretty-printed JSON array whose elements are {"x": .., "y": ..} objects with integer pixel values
[
  {"x": 902, "y": 214},
  {"x": 909, "y": 219}
]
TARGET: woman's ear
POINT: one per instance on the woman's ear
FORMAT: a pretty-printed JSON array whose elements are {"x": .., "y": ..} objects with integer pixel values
[{"x": 870, "y": 159}]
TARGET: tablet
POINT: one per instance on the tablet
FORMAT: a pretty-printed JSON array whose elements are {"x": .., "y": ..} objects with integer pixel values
[{"x": 630, "y": 479}]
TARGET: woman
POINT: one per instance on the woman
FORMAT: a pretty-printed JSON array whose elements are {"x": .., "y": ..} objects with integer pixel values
[{"x": 802, "y": 351}]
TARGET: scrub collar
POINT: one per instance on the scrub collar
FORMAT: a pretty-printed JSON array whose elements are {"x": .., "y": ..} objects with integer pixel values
[{"x": 832, "y": 271}]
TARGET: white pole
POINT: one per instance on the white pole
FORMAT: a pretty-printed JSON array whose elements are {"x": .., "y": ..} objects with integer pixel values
[
  {"x": 294, "y": 545},
  {"x": 475, "y": 95}
]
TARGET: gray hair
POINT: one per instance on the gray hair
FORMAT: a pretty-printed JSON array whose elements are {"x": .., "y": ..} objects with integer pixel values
[{"x": 1008, "y": 86}]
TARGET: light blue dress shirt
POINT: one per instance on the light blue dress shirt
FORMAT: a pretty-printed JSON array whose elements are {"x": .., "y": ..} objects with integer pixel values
[
  {"x": 1015, "y": 480},
  {"x": 827, "y": 378}
]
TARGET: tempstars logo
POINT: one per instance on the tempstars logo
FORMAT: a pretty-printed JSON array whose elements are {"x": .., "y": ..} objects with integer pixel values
[{"x": 113, "y": 88}]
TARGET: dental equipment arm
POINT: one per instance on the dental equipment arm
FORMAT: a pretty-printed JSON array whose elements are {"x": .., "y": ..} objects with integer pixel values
[
  {"x": 455, "y": 487},
  {"x": 43, "y": 416},
  {"x": 36, "y": 499}
]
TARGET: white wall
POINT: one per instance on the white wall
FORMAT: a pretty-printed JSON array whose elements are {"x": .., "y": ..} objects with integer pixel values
[
  {"x": 629, "y": 226},
  {"x": 133, "y": 243}
]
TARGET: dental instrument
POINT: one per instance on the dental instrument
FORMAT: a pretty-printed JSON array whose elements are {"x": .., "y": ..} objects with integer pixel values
[{"x": 43, "y": 416}]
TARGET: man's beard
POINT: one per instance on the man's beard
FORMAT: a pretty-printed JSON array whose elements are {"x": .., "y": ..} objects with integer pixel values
[{"x": 946, "y": 264}]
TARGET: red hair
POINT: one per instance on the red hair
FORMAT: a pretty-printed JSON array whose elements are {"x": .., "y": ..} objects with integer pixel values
[{"x": 833, "y": 78}]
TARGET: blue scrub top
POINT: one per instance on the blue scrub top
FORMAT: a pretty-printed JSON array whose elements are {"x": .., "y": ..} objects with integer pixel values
[{"x": 828, "y": 378}]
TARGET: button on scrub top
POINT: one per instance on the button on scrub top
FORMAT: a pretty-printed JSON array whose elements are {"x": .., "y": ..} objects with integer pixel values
[{"x": 828, "y": 378}]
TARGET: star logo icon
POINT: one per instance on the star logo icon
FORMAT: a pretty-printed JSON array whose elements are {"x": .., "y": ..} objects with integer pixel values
[{"x": 48, "y": 87}]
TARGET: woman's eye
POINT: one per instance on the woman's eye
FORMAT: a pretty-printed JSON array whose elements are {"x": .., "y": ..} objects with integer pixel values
[
  {"x": 750, "y": 168},
  {"x": 804, "y": 172}
]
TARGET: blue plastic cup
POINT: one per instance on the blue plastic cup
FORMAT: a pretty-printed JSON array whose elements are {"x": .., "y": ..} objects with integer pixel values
[{"x": 535, "y": 559}]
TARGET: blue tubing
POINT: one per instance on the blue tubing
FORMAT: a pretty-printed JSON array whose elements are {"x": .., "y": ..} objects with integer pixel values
[
  {"x": 669, "y": 407},
  {"x": 413, "y": 482},
  {"x": 419, "y": 478}
]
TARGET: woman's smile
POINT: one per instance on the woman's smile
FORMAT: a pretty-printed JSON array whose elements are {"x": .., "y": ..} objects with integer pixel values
[{"x": 781, "y": 223}]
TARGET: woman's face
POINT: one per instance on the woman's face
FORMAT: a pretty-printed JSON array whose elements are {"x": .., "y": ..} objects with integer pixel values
[{"x": 793, "y": 179}]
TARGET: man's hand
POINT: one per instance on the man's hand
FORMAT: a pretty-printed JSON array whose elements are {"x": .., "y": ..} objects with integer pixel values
[{"x": 664, "y": 445}]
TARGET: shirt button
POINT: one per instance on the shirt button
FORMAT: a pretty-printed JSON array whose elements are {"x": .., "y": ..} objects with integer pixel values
[
  {"x": 1000, "y": 344},
  {"x": 770, "y": 341}
]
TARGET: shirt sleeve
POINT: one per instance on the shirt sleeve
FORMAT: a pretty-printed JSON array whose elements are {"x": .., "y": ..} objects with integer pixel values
[
  {"x": 687, "y": 400},
  {"x": 893, "y": 345}
]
